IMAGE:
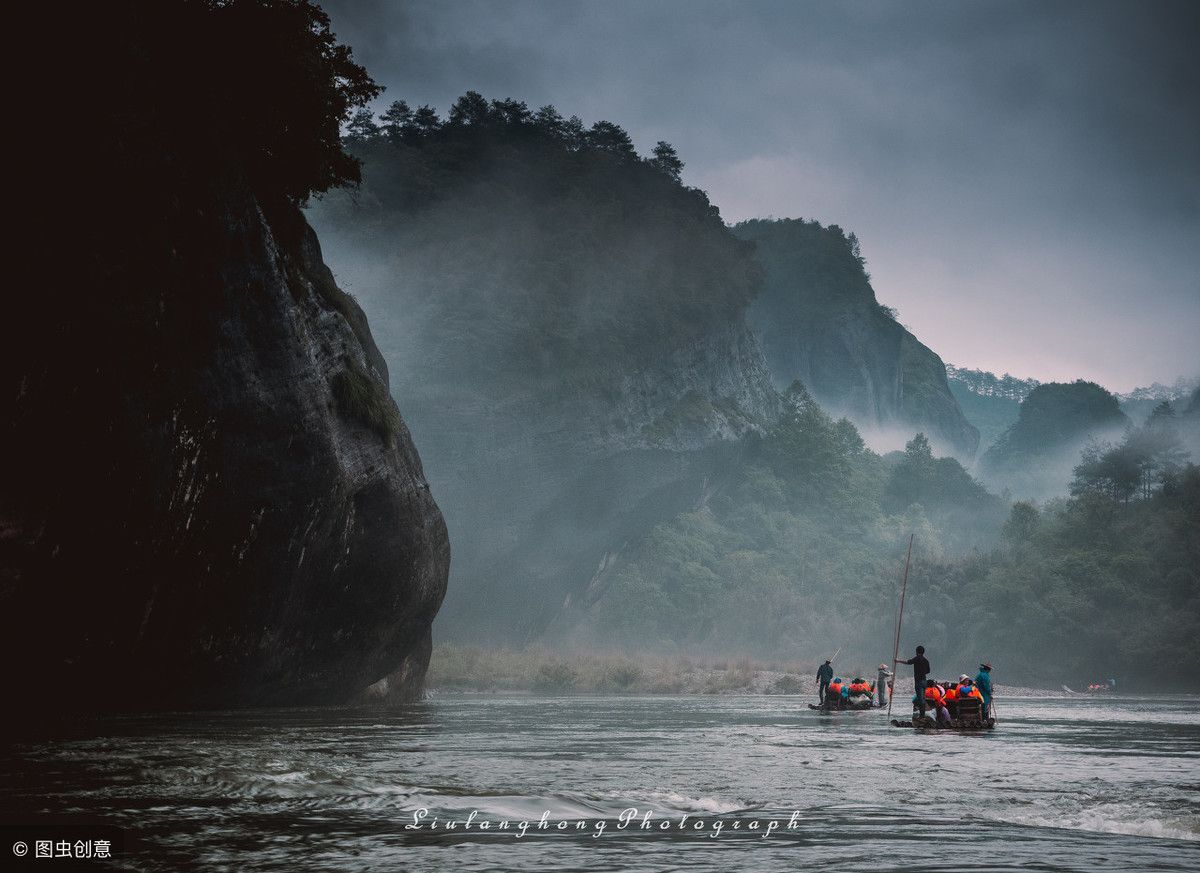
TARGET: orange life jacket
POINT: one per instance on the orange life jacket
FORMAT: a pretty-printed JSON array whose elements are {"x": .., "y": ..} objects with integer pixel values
[
  {"x": 934, "y": 694},
  {"x": 835, "y": 687},
  {"x": 859, "y": 688},
  {"x": 952, "y": 693},
  {"x": 969, "y": 691}
]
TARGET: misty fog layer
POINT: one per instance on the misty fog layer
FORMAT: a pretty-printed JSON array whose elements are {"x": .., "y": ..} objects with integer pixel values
[{"x": 621, "y": 467}]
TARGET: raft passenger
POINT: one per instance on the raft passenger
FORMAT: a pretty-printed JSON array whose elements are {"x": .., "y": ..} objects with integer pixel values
[
  {"x": 881, "y": 685},
  {"x": 983, "y": 681},
  {"x": 824, "y": 675},
  {"x": 921, "y": 668}
]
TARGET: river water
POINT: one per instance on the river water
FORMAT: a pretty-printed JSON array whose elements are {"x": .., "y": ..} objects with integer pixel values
[{"x": 1079, "y": 784}]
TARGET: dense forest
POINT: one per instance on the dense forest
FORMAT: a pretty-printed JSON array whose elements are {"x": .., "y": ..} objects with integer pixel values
[
  {"x": 497, "y": 197},
  {"x": 797, "y": 547},
  {"x": 611, "y": 491},
  {"x": 1105, "y": 583},
  {"x": 802, "y": 545}
]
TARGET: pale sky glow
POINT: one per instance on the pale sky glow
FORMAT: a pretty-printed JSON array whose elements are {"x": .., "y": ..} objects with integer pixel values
[{"x": 1024, "y": 177}]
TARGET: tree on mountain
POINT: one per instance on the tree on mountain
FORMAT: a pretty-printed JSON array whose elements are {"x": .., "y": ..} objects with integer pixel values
[
  {"x": 611, "y": 138},
  {"x": 550, "y": 121},
  {"x": 937, "y": 483},
  {"x": 362, "y": 127},
  {"x": 397, "y": 121},
  {"x": 1023, "y": 521},
  {"x": 426, "y": 120},
  {"x": 667, "y": 159},
  {"x": 470, "y": 109},
  {"x": 511, "y": 112},
  {"x": 808, "y": 449},
  {"x": 1137, "y": 466}
]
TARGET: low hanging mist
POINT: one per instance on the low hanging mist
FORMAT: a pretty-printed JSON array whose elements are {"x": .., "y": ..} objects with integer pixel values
[{"x": 628, "y": 412}]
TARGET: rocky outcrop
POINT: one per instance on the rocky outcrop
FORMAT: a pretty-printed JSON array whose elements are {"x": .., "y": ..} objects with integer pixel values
[
  {"x": 210, "y": 498},
  {"x": 820, "y": 323}
]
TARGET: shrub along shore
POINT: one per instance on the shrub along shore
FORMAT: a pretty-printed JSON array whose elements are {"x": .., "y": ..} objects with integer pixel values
[{"x": 543, "y": 671}]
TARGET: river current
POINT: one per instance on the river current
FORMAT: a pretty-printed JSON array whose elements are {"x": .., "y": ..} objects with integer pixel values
[{"x": 1062, "y": 784}]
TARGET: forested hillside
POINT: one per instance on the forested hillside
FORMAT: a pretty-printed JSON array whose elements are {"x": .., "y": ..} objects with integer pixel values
[
  {"x": 795, "y": 550},
  {"x": 572, "y": 317},
  {"x": 618, "y": 470},
  {"x": 990, "y": 402},
  {"x": 1034, "y": 457},
  {"x": 1103, "y": 584}
]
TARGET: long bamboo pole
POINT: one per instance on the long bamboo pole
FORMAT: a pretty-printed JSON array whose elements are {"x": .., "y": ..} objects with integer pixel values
[{"x": 899, "y": 624}]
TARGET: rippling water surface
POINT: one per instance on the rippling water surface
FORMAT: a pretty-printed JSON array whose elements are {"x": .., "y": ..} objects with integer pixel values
[{"x": 1109, "y": 784}]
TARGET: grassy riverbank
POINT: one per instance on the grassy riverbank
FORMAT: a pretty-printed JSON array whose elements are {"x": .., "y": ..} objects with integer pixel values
[
  {"x": 461, "y": 668},
  {"x": 542, "y": 671}
]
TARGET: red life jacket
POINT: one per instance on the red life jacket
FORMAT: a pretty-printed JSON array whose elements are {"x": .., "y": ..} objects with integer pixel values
[
  {"x": 859, "y": 688},
  {"x": 835, "y": 687}
]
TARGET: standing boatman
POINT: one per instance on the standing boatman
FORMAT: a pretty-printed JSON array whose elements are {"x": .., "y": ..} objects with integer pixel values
[
  {"x": 824, "y": 677},
  {"x": 983, "y": 681},
  {"x": 920, "y": 665},
  {"x": 881, "y": 686}
]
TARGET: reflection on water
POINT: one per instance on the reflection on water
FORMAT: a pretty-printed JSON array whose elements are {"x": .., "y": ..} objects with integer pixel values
[{"x": 1062, "y": 784}]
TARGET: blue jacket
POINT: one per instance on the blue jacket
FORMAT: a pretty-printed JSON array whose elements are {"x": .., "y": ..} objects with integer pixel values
[{"x": 984, "y": 683}]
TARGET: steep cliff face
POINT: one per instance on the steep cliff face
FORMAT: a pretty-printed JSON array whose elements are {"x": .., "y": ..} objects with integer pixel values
[
  {"x": 545, "y": 480},
  {"x": 210, "y": 498},
  {"x": 565, "y": 325},
  {"x": 820, "y": 323}
]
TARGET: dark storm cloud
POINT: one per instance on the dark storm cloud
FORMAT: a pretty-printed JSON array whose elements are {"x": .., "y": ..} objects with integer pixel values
[{"x": 1025, "y": 176}]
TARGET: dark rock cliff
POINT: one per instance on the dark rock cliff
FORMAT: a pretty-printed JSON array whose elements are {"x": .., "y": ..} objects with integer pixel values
[
  {"x": 820, "y": 323},
  {"x": 210, "y": 498}
]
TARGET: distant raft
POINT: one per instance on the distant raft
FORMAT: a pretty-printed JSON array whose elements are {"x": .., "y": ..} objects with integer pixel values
[{"x": 856, "y": 695}]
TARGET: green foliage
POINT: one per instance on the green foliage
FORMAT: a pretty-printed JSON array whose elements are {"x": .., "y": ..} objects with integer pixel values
[
  {"x": 985, "y": 384},
  {"x": 824, "y": 261},
  {"x": 667, "y": 159},
  {"x": 1051, "y": 416},
  {"x": 1023, "y": 522},
  {"x": 555, "y": 245},
  {"x": 940, "y": 484},
  {"x": 1088, "y": 588},
  {"x": 991, "y": 403},
  {"x": 556, "y": 678},
  {"x": 1136, "y": 467},
  {"x": 364, "y": 399},
  {"x": 780, "y": 555}
]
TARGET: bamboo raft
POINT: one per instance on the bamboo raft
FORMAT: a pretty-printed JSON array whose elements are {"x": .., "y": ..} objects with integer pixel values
[
  {"x": 837, "y": 704},
  {"x": 966, "y": 716}
]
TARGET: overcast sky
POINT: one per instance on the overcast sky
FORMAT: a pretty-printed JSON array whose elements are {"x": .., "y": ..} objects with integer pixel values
[{"x": 1024, "y": 177}]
